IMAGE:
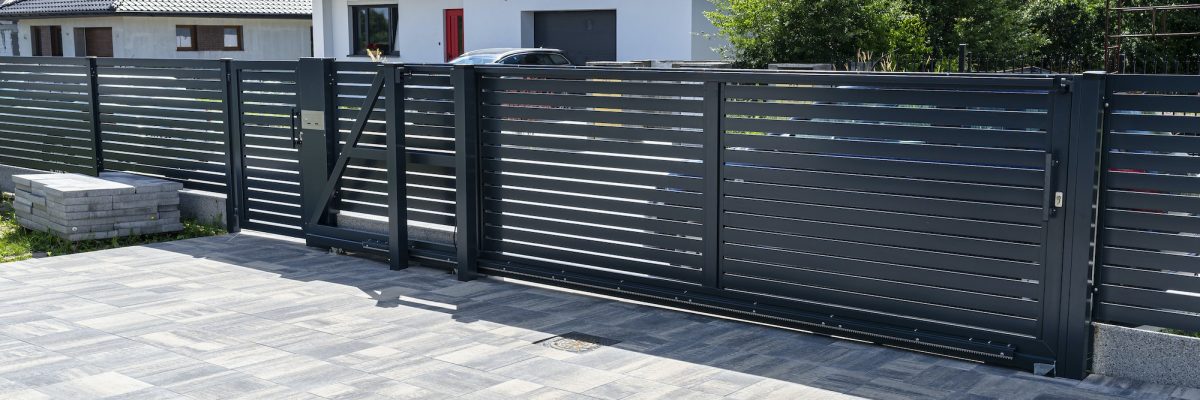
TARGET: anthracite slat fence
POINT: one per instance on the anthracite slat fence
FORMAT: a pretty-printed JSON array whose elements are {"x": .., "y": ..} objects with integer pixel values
[{"x": 986, "y": 216}]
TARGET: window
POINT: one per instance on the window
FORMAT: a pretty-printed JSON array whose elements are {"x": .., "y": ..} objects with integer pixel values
[
  {"x": 233, "y": 38},
  {"x": 535, "y": 59},
  {"x": 47, "y": 41},
  {"x": 185, "y": 38},
  {"x": 374, "y": 28},
  {"x": 209, "y": 38}
]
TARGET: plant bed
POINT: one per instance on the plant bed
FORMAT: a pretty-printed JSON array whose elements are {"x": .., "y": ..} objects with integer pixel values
[{"x": 18, "y": 243}]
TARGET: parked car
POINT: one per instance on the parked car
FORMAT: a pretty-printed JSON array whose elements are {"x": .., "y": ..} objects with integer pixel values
[{"x": 513, "y": 57}]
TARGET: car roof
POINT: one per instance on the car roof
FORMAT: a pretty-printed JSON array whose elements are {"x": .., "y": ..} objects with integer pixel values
[{"x": 506, "y": 51}]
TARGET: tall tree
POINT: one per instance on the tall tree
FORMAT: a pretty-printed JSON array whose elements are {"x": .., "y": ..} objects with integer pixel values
[{"x": 770, "y": 31}]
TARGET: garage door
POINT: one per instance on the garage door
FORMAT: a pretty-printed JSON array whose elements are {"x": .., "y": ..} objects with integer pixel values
[{"x": 583, "y": 35}]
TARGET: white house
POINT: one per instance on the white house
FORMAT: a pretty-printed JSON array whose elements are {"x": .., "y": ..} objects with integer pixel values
[
  {"x": 190, "y": 29},
  {"x": 433, "y": 31}
]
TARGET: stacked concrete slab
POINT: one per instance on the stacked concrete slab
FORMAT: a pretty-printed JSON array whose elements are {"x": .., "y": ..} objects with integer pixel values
[{"x": 78, "y": 207}]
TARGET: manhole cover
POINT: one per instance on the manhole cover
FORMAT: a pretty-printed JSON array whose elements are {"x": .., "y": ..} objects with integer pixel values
[{"x": 576, "y": 342}]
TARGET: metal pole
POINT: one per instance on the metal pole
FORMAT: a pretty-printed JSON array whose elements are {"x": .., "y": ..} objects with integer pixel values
[
  {"x": 94, "y": 115},
  {"x": 468, "y": 175},
  {"x": 397, "y": 167},
  {"x": 1085, "y": 167},
  {"x": 316, "y": 90},
  {"x": 233, "y": 140},
  {"x": 714, "y": 151},
  {"x": 962, "y": 57}
]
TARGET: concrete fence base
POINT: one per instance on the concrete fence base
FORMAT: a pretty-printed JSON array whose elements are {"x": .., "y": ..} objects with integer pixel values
[{"x": 1146, "y": 355}]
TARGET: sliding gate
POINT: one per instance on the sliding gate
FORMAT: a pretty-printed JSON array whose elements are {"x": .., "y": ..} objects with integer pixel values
[{"x": 919, "y": 211}]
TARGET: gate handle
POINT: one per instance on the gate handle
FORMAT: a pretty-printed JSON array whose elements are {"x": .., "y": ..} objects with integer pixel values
[
  {"x": 295, "y": 133},
  {"x": 1048, "y": 190}
]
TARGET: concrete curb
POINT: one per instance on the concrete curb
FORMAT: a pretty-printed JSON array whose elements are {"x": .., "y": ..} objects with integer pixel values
[{"x": 1146, "y": 355}]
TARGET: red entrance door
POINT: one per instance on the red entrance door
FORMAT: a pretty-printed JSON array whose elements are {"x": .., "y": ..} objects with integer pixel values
[{"x": 454, "y": 33}]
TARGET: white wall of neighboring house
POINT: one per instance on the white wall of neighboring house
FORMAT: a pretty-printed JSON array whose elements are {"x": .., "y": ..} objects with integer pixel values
[
  {"x": 154, "y": 37},
  {"x": 420, "y": 28},
  {"x": 646, "y": 29}
]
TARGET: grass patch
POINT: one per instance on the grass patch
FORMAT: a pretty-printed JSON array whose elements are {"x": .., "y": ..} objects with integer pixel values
[
  {"x": 1181, "y": 333},
  {"x": 18, "y": 243}
]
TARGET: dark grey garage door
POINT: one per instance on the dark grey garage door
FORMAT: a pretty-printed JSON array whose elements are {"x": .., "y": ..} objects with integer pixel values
[{"x": 583, "y": 35}]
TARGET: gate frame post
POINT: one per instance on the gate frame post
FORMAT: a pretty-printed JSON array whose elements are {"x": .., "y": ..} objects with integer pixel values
[
  {"x": 316, "y": 80},
  {"x": 94, "y": 115},
  {"x": 468, "y": 175},
  {"x": 397, "y": 166},
  {"x": 234, "y": 158},
  {"x": 714, "y": 151},
  {"x": 1088, "y": 104}
]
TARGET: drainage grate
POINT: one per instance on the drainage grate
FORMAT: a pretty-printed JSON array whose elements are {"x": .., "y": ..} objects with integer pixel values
[{"x": 576, "y": 342}]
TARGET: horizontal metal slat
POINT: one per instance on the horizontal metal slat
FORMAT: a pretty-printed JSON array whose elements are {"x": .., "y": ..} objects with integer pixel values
[
  {"x": 595, "y": 146},
  {"x": 631, "y": 267},
  {"x": 891, "y": 289},
  {"x": 650, "y": 209},
  {"x": 595, "y": 131},
  {"x": 592, "y": 116},
  {"x": 1142, "y": 316},
  {"x": 1154, "y": 241},
  {"x": 1157, "y": 280},
  {"x": 940, "y": 116},
  {"x": 593, "y": 101},
  {"x": 658, "y": 243},
  {"x": 976, "y": 248},
  {"x": 491, "y": 83},
  {"x": 1127, "y": 180},
  {"x": 597, "y": 189},
  {"x": 630, "y": 222},
  {"x": 1151, "y": 221},
  {"x": 964, "y": 136},
  {"x": 1153, "y": 123},
  {"x": 886, "y": 219},
  {"x": 886, "y": 95},
  {"x": 883, "y": 184},
  {"x": 896, "y": 150},
  {"x": 1155, "y": 299},
  {"x": 885, "y": 202},
  {"x": 889, "y": 167},
  {"x": 894, "y": 307},
  {"x": 1150, "y": 259}
]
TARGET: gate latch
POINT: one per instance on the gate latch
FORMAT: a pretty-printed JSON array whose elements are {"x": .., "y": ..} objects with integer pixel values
[{"x": 1058, "y": 199}]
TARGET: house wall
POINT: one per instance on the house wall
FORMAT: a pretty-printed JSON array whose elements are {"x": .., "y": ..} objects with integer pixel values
[
  {"x": 154, "y": 37},
  {"x": 646, "y": 29},
  {"x": 420, "y": 26}
]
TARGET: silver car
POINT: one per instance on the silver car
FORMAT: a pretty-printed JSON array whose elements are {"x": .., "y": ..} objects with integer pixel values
[{"x": 512, "y": 56}]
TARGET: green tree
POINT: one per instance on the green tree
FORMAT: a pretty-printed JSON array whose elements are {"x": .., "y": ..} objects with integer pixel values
[
  {"x": 773, "y": 31},
  {"x": 1068, "y": 29},
  {"x": 990, "y": 28}
]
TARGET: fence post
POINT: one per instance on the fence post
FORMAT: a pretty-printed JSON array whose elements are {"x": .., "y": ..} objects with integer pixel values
[
  {"x": 962, "y": 57},
  {"x": 233, "y": 153},
  {"x": 316, "y": 81},
  {"x": 1085, "y": 158},
  {"x": 468, "y": 175},
  {"x": 397, "y": 167},
  {"x": 713, "y": 152},
  {"x": 94, "y": 115}
]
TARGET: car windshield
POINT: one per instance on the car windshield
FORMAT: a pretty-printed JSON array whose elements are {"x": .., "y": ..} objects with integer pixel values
[{"x": 475, "y": 59}]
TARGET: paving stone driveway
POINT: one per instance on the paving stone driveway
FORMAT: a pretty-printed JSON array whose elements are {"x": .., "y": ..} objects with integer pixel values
[{"x": 259, "y": 318}]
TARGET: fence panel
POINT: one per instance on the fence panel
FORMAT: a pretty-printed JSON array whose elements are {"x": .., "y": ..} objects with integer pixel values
[
  {"x": 429, "y": 139},
  {"x": 1150, "y": 205},
  {"x": 596, "y": 172},
  {"x": 165, "y": 118},
  {"x": 918, "y": 202},
  {"x": 266, "y": 121},
  {"x": 45, "y": 114}
]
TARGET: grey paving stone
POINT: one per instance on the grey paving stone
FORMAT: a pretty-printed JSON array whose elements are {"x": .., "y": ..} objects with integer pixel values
[{"x": 249, "y": 317}]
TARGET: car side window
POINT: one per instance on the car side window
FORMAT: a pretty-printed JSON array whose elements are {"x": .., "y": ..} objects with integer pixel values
[
  {"x": 512, "y": 60},
  {"x": 558, "y": 59}
]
